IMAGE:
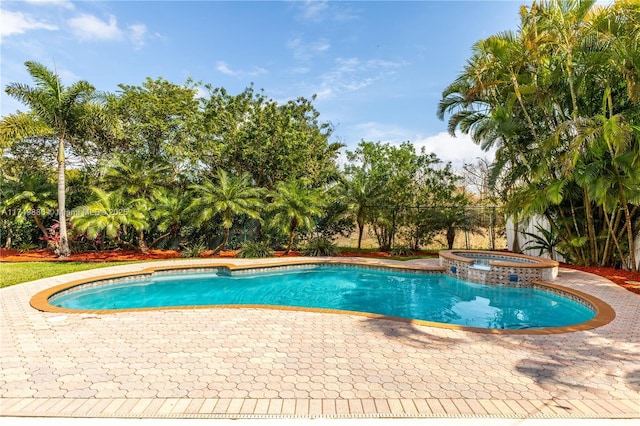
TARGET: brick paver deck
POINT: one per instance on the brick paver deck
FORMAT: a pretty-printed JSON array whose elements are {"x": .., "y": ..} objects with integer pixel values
[{"x": 238, "y": 363}]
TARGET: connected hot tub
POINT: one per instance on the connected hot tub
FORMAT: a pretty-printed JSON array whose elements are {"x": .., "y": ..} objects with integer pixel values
[{"x": 498, "y": 268}]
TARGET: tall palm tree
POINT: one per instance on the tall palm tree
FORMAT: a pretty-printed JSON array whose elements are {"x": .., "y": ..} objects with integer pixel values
[
  {"x": 295, "y": 205},
  {"x": 56, "y": 111},
  {"x": 228, "y": 196}
]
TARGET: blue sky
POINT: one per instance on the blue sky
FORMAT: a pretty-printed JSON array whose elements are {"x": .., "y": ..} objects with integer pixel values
[{"x": 378, "y": 68}]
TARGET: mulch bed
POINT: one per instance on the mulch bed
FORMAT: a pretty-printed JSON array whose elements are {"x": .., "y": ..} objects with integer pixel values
[{"x": 627, "y": 279}]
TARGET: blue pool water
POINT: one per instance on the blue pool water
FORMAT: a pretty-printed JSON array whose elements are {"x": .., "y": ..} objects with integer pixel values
[{"x": 429, "y": 297}]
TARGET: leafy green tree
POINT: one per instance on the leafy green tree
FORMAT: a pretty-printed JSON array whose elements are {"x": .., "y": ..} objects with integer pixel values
[
  {"x": 435, "y": 185},
  {"x": 295, "y": 205},
  {"x": 159, "y": 119},
  {"x": 387, "y": 184},
  {"x": 272, "y": 142},
  {"x": 228, "y": 197},
  {"x": 56, "y": 112}
]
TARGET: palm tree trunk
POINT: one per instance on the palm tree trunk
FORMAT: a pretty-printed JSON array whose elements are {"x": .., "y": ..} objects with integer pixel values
[
  {"x": 613, "y": 236},
  {"x": 360, "y": 232},
  {"x": 451, "y": 236},
  {"x": 630, "y": 239},
  {"x": 578, "y": 251},
  {"x": 125, "y": 243},
  {"x": 225, "y": 238},
  {"x": 38, "y": 221},
  {"x": 142, "y": 244},
  {"x": 63, "y": 249},
  {"x": 7, "y": 243},
  {"x": 516, "y": 89},
  {"x": 591, "y": 230},
  {"x": 516, "y": 235},
  {"x": 160, "y": 238},
  {"x": 291, "y": 235}
]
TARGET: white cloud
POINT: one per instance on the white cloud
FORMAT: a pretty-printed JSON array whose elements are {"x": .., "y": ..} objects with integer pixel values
[
  {"x": 224, "y": 68},
  {"x": 318, "y": 11},
  {"x": 459, "y": 150},
  {"x": 352, "y": 74},
  {"x": 19, "y": 23},
  {"x": 324, "y": 93},
  {"x": 301, "y": 70},
  {"x": 137, "y": 34},
  {"x": 67, "y": 76},
  {"x": 89, "y": 27},
  {"x": 313, "y": 10},
  {"x": 257, "y": 71},
  {"x": 306, "y": 51},
  {"x": 374, "y": 131},
  {"x": 201, "y": 92},
  {"x": 59, "y": 3}
]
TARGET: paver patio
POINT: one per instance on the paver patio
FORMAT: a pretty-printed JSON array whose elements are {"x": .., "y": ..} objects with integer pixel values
[{"x": 237, "y": 363}]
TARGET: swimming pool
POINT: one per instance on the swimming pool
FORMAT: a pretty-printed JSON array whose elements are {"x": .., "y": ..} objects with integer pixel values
[{"x": 434, "y": 297}]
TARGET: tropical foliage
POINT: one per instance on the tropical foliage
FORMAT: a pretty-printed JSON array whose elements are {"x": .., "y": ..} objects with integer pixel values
[
  {"x": 559, "y": 100},
  {"x": 194, "y": 167},
  {"x": 227, "y": 198}
]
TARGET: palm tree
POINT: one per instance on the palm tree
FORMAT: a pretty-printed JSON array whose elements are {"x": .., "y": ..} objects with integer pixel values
[
  {"x": 170, "y": 211},
  {"x": 295, "y": 205},
  {"x": 56, "y": 111},
  {"x": 536, "y": 96},
  {"x": 32, "y": 195},
  {"x": 360, "y": 193},
  {"x": 457, "y": 217},
  {"x": 137, "y": 179},
  {"x": 228, "y": 196},
  {"x": 111, "y": 214}
]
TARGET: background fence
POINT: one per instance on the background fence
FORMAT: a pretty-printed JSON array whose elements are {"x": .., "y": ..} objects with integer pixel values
[{"x": 387, "y": 227}]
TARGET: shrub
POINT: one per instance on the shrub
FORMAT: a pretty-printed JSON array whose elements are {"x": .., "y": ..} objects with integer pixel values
[
  {"x": 252, "y": 250},
  {"x": 320, "y": 246},
  {"x": 401, "y": 251},
  {"x": 26, "y": 247},
  {"x": 194, "y": 250}
]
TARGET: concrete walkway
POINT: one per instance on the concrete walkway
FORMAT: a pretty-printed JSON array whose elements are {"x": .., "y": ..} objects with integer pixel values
[{"x": 236, "y": 363}]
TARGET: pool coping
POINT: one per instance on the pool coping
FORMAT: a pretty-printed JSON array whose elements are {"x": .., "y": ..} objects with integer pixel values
[
  {"x": 604, "y": 312},
  {"x": 537, "y": 262}
]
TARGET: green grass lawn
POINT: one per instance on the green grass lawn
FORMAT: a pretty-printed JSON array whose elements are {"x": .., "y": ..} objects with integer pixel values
[{"x": 15, "y": 273}]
